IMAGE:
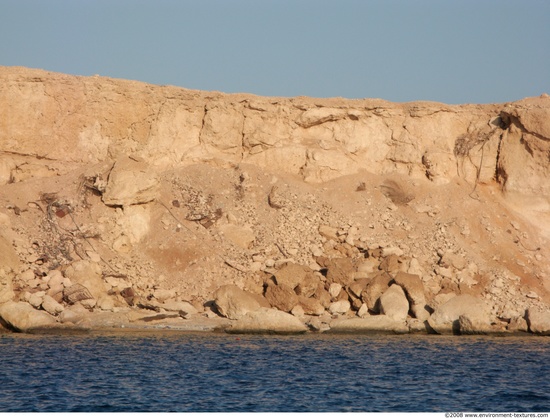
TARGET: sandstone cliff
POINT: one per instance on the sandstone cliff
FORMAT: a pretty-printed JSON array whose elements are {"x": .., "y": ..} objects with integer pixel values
[{"x": 156, "y": 195}]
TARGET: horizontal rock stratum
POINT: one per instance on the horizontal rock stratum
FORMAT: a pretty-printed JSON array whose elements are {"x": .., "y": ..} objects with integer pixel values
[{"x": 124, "y": 199}]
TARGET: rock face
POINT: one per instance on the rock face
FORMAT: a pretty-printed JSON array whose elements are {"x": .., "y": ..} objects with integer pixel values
[{"x": 118, "y": 196}]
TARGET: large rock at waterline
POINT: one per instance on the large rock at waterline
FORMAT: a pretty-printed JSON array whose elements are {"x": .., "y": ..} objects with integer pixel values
[
  {"x": 445, "y": 319},
  {"x": 369, "y": 324},
  {"x": 538, "y": 321},
  {"x": 267, "y": 321},
  {"x": 24, "y": 318},
  {"x": 473, "y": 325},
  {"x": 233, "y": 302},
  {"x": 394, "y": 303},
  {"x": 414, "y": 289}
]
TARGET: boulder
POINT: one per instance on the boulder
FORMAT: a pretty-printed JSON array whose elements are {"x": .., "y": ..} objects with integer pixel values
[
  {"x": 518, "y": 324},
  {"x": 445, "y": 319},
  {"x": 23, "y": 317},
  {"x": 369, "y": 324},
  {"x": 281, "y": 297},
  {"x": 298, "y": 311},
  {"x": 292, "y": 275},
  {"x": 414, "y": 289},
  {"x": 55, "y": 283},
  {"x": 473, "y": 325},
  {"x": 394, "y": 303},
  {"x": 416, "y": 325},
  {"x": 233, "y": 302},
  {"x": 261, "y": 300},
  {"x": 339, "y": 307},
  {"x": 334, "y": 289},
  {"x": 356, "y": 288},
  {"x": 311, "y": 306},
  {"x": 323, "y": 296},
  {"x": 538, "y": 321},
  {"x": 51, "y": 306},
  {"x": 36, "y": 299},
  {"x": 374, "y": 289},
  {"x": 267, "y": 321},
  {"x": 340, "y": 270},
  {"x": 308, "y": 285},
  {"x": 363, "y": 311},
  {"x": 390, "y": 264},
  {"x": 55, "y": 279},
  {"x": 130, "y": 182}
]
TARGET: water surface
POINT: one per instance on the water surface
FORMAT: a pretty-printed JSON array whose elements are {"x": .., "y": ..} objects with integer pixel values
[{"x": 178, "y": 372}]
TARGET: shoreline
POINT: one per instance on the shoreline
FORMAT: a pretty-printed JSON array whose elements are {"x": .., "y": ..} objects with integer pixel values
[{"x": 222, "y": 326}]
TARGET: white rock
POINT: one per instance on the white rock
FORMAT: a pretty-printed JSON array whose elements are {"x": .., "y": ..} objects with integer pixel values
[
  {"x": 265, "y": 320},
  {"x": 394, "y": 303},
  {"x": 23, "y": 317},
  {"x": 363, "y": 311},
  {"x": 339, "y": 307},
  {"x": 369, "y": 324},
  {"x": 335, "y": 289}
]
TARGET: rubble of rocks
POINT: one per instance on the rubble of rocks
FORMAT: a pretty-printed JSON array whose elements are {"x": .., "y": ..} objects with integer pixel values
[{"x": 202, "y": 211}]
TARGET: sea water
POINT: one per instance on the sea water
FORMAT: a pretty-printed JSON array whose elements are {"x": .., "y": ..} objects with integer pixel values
[{"x": 179, "y": 372}]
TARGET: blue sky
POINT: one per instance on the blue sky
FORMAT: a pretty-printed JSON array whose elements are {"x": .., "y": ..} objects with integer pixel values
[{"x": 452, "y": 51}]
